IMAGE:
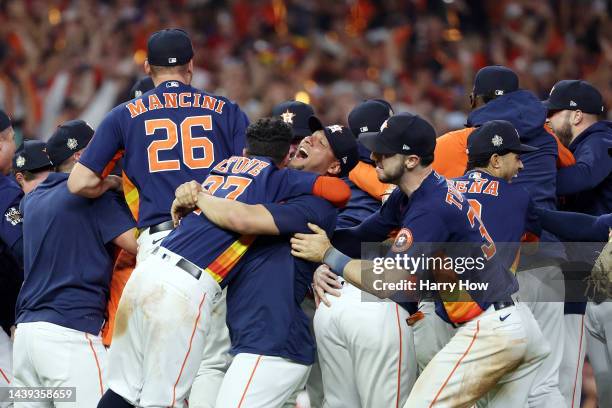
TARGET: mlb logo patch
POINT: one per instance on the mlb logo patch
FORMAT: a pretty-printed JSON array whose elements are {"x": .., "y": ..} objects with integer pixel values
[
  {"x": 171, "y": 60},
  {"x": 172, "y": 84}
]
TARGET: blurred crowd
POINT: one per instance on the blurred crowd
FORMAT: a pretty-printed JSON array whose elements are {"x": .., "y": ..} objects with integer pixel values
[{"x": 61, "y": 59}]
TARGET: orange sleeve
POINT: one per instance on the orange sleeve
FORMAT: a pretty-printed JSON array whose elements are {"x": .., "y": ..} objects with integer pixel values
[
  {"x": 450, "y": 156},
  {"x": 333, "y": 190},
  {"x": 124, "y": 265},
  {"x": 364, "y": 176},
  {"x": 565, "y": 157},
  {"x": 130, "y": 193}
]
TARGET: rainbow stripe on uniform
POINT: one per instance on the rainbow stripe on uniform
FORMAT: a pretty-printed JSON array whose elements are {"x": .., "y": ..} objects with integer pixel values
[{"x": 223, "y": 264}]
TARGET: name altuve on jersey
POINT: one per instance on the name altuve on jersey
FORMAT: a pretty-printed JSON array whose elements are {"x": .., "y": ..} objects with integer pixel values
[{"x": 174, "y": 100}]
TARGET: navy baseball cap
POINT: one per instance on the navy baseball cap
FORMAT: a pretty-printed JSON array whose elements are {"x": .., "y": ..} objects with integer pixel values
[
  {"x": 342, "y": 142},
  {"x": 143, "y": 85},
  {"x": 69, "y": 138},
  {"x": 169, "y": 48},
  {"x": 5, "y": 121},
  {"x": 495, "y": 136},
  {"x": 32, "y": 155},
  {"x": 574, "y": 94},
  {"x": 295, "y": 114},
  {"x": 368, "y": 116},
  {"x": 495, "y": 80},
  {"x": 404, "y": 133}
]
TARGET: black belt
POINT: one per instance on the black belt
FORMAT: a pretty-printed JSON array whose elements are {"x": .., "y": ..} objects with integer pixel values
[
  {"x": 187, "y": 266},
  {"x": 502, "y": 305},
  {"x": 164, "y": 226}
]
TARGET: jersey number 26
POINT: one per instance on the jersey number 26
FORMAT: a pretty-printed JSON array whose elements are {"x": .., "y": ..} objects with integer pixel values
[{"x": 188, "y": 143}]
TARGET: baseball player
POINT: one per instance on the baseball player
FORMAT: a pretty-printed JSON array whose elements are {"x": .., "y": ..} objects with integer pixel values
[
  {"x": 31, "y": 164},
  {"x": 496, "y": 345},
  {"x": 151, "y": 366},
  {"x": 11, "y": 248},
  {"x": 573, "y": 109},
  {"x": 269, "y": 330},
  {"x": 67, "y": 268},
  {"x": 382, "y": 358},
  {"x": 496, "y": 96}
]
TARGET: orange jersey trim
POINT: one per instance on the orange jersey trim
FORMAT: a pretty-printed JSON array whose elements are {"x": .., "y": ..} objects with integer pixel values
[
  {"x": 124, "y": 266},
  {"x": 333, "y": 189},
  {"x": 450, "y": 156},
  {"x": 220, "y": 267},
  {"x": 111, "y": 164},
  {"x": 131, "y": 195},
  {"x": 364, "y": 176},
  {"x": 565, "y": 157}
]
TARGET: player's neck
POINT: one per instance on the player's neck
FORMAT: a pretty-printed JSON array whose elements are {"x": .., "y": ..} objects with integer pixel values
[
  {"x": 159, "y": 79},
  {"x": 412, "y": 180}
]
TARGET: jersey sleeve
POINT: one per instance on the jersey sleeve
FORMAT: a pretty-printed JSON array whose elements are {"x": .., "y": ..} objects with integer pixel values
[
  {"x": 592, "y": 166},
  {"x": 294, "y": 215},
  {"x": 292, "y": 183},
  {"x": 450, "y": 157},
  {"x": 571, "y": 226},
  {"x": 364, "y": 176},
  {"x": 11, "y": 223},
  {"x": 105, "y": 145},
  {"x": 532, "y": 222},
  {"x": 113, "y": 216}
]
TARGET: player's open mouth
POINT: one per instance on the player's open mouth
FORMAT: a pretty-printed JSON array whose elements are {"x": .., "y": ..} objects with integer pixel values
[{"x": 301, "y": 153}]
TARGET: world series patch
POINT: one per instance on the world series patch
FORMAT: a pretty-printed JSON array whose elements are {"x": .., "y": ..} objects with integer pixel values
[
  {"x": 13, "y": 216},
  {"x": 403, "y": 240}
]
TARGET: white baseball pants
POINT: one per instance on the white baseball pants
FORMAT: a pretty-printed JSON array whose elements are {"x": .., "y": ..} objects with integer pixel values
[
  {"x": 489, "y": 360},
  {"x": 257, "y": 381},
  {"x": 160, "y": 330},
  {"x": 599, "y": 340},
  {"x": 570, "y": 373},
  {"x": 148, "y": 242},
  {"x": 48, "y": 355},
  {"x": 366, "y": 352},
  {"x": 6, "y": 367},
  {"x": 543, "y": 291},
  {"x": 215, "y": 360},
  {"x": 431, "y": 334}
]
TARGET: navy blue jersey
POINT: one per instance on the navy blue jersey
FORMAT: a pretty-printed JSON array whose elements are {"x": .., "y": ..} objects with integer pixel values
[
  {"x": 10, "y": 224},
  {"x": 170, "y": 135},
  {"x": 264, "y": 315},
  {"x": 359, "y": 207},
  {"x": 253, "y": 180},
  {"x": 67, "y": 254},
  {"x": 496, "y": 201}
]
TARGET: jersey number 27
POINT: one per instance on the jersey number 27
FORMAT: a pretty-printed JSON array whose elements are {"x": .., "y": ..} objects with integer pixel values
[{"x": 188, "y": 143}]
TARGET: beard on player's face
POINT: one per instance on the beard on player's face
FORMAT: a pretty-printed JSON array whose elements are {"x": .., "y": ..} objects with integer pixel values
[
  {"x": 389, "y": 168},
  {"x": 560, "y": 124}
]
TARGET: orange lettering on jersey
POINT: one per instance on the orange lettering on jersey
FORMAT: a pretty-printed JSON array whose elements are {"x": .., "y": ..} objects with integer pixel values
[
  {"x": 170, "y": 99},
  {"x": 154, "y": 102},
  {"x": 209, "y": 102},
  {"x": 182, "y": 102},
  {"x": 222, "y": 166},
  {"x": 220, "y": 107},
  {"x": 453, "y": 197},
  {"x": 136, "y": 108},
  {"x": 240, "y": 165},
  {"x": 251, "y": 165},
  {"x": 477, "y": 185},
  {"x": 257, "y": 169},
  {"x": 461, "y": 185},
  {"x": 492, "y": 188},
  {"x": 196, "y": 100}
]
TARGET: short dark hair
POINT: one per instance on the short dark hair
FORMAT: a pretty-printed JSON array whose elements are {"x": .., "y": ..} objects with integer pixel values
[
  {"x": 477, "y": 163},
  {"x": 269, "y": 137},
  {"x": 427, "y": 160},
  {"x": 177, "y": 69},
  {"x": 30, "y": 175}
]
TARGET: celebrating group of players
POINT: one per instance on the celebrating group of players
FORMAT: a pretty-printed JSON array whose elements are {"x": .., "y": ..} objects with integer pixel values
[{"x": 249, "y": 283}]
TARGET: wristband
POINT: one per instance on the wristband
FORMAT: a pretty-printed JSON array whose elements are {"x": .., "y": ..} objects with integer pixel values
[{"x": 336, "y": 260}]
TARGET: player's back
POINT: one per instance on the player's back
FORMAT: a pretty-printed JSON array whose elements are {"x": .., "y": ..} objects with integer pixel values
[
  {"x": 254, "y": 180},
  {"x": 496, "y": 201},
  {"x": 170, "y": 135}
]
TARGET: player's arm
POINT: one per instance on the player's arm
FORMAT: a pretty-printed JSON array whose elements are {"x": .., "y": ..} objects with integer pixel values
[
  {"x": 127, "y": 241},
  {"x": 89, "y": 176},
  {"x": 591, "y": 168},
  {"x": 571, "y": 226},
  {"x": 86, "y": 183},
  {"x": 115, "y": 222}
]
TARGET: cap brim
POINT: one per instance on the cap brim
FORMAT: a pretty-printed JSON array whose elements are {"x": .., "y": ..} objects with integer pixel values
[
  {"x": 374, "y": 143},
  {"x": 552, "y": 107}
]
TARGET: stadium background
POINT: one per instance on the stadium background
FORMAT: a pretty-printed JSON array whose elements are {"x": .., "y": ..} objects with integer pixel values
[{"x": 62, "y": 59}]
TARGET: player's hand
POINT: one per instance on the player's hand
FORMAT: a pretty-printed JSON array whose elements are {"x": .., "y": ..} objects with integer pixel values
[
  {"x": 112, "y": 182},
  {"x": 187, "y": 194},
  {"x": 178, "y": 212},
  {"x": 310, "y": 247},
  {"x": 325, "y": 281}
]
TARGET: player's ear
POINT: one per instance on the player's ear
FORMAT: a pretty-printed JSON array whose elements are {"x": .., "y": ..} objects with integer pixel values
[
  {"x": 19, "y": 178},
  {"x": 411, "y": 161},
  {"x": 334, "y": 168},
  {"x": 147, "y": 68},
  {"x": 77, "y": 155}
]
